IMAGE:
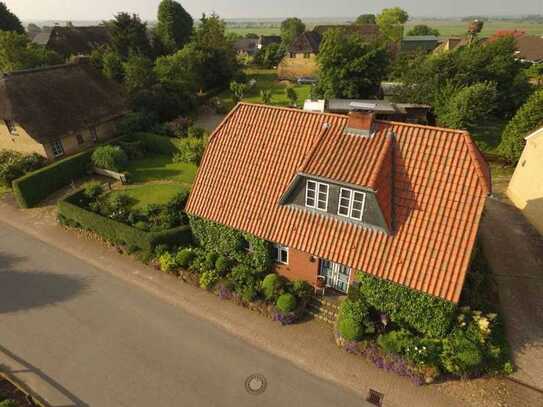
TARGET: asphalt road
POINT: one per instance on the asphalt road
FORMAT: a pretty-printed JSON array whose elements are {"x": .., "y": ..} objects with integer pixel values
[{"x": 82, "y": 337}]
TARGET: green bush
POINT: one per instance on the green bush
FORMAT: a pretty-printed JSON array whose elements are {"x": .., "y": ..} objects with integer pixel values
[
  {"x": 109, "y": 157},
  {"x": 271, "y": 286},
  {"x": 136, "y": 122},
  {"x": 8, "y": 403},
  {"x": 211, "y": 259},
  {"x": 117, "y": 232},
  {"x": 222, "y": 265},
  {"x": 527, "y": 119},
  {"x": 249, "y": 293},
  {"x": 36, "y": 186},
  {"x": 460, "y": 355},
  {"x": 135, "y": 150},
  {"x": 243, "y": 278},
  {"x": 185, "y": 257},
  {"x": 286, "y": 303},
  {"x": 93, "y": 189},
  {"x": 350, "y": 329},
  {"x": 158, "y": 144},
  {"x": 396, "y": 341},
  {"x": 428, "y": 315},
  {"x": 167, "y": 262},
  {"x": 14, "y": 165},
  {"x": 208, "y": 279},
  {"x": 191, "y": 150},
  {"x": 301, "y": 289},
  {"x": 358, "y": 313},
  {"x": 196, "y": 132}
]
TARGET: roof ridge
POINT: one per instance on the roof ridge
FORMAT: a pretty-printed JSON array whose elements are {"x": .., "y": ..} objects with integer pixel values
[
  {"x": 389, "y": 139},
  {"x": 21, "y": 72},
  {"x": 477, "y": 157}
]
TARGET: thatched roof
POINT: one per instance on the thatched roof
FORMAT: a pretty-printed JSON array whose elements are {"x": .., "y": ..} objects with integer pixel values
[
  {"x": 78, "y": 40},
  {"x": 308, "y": 41},
  {"x": 51, "y": 102}
]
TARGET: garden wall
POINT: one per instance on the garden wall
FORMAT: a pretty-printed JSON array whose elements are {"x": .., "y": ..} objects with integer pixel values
[{"x": 117, "y": 232}]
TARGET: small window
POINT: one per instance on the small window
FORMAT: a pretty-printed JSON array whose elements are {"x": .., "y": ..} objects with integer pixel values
[
  {"x": 307, "y": 55},
  {"x": 80, "y": 139},
  {"x": 11, "y": 127},
  {"x": 316, "y": 195},
  {"x": 280, "y": 254},
  {"x": 292, "y": 55},
  {"x": 351, "y": 203},
  {"x": 58, "y": 148}
]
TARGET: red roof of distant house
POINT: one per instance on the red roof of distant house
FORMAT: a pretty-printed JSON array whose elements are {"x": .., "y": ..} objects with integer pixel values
[
  {"x": 507, "y": 33},
  {"x": 435, "y": 181}
]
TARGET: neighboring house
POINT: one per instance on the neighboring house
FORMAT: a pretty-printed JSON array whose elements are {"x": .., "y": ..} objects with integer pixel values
[
  {"x": 337, "y": 194},
  {"x": 384, "y": 110},
  {"x": 266, "y": 40},
  {"x": 526, "y": 186},
  {"x": 419, "y": 43},
  {"x": 448, "y": 44},
  {"x": 301, "y": 59},
  {"x": 246, "y": 47},
  {"x": 68, "y": 41},
  {"x": 59, "y": 110},
  {"x": 530, "y": 49}
]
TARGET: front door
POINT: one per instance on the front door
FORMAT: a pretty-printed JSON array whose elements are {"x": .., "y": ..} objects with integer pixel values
[{"x": 337, "y": 275}]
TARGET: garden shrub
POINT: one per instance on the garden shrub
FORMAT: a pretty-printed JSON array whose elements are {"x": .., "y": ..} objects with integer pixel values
[
  {"x": 14, "y": 165},
  {"x": 184, "y": 257},
  {"x": 136, "y": 122},
  {"x": 190, "y": 150},
  {"x": 396, "y": 341},
  {"x": 93, "y": 189},
  {"x": 35, "y": 186},
  {"x": 196, "y": 132},
  {"x": 211, "y": 258},
  {"x": 110, "y": 157},
  {"x": 460, "y": 355},
  {"x": 244, "y": 278},
  {"x": 358, "y": 313},
  {"x": 286, "y": 303},
  {"x": 222, "y": 265},
  {"x": 350, "y": 329},
  {"x": 426, "y": 314},
  {"x": 271, "y": 286},
  {"x": 135, "y": 150},
  {"x": 249, "y": 293},
  {"x": 208, "y": 279},
  {"x": 157, "y": 144},
  {"x": 167, "y": 262},
  {"x": 8, "y": 403},
  {"x": 301, "y": 289}
]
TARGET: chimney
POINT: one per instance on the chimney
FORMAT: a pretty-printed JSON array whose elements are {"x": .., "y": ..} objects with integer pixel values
[{"x": 360, "y": 124}]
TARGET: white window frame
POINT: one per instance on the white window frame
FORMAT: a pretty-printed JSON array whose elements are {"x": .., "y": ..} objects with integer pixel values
[
  {"x": 352, "y": 195},
  {"x": 277, "y": 253},
  {"x": 57, "y": 147},
  {"x": 317, "y": 188}
]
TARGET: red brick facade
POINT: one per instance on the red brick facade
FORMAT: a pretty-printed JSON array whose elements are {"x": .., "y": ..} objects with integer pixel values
[{"x": 301, "y": 266}]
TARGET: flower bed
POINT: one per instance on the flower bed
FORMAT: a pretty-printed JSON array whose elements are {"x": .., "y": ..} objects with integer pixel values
[{"x": 13, "y": 396}]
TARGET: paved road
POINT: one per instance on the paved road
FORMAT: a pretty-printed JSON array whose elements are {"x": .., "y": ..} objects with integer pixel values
[{"x": 84, "y": 338}]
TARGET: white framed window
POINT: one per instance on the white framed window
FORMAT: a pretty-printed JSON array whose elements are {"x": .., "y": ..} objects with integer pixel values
[
  {"x": 11, "y": 127},
  {"x": 280, "y": 254},
  {"x": 316, "y": 195},
  {"x": 351, "y": 203},
  {"x": 58, "y": 148}
]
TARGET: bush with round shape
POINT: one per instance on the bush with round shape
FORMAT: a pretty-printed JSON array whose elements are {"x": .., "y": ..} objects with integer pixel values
[
  {"x": 301, "y": 289},
  {"x": 286, "y": 303},
  {"x": 190, "y": 150},
  {"x": 93, "y": 189},
  {"x": 271, "y": 286},
  {"x": 396, "y": 341},
  {"x": 208, "y": 279},
  {"x": 222, "y": 265},
  {"x": 460, "y": 355},
  {"x": 109, "y": 157},
  {"x": 249, "y": 293},
  {"x": 211, "y": 258},
  {"x": 350, "y": 330},
  {"x": 184, "y": 258},
  {"x": 167, "y": 262}
]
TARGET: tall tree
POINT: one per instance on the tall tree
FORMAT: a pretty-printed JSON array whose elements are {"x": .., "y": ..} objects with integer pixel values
[
  {"x": 422, "y": 29},
  {"x": 391, "y": 21},
  {"x": 366, "y": 19},
  {"x": 290, "y": 29},
  {"x": 138, "y": 73},
  {"x": 9, "y": 21},
  {"x": 350, "y": 67},
  {"x": 129, "y": 35},
  {"x": 174, "y": 27},
  {"x": 528, "y": 119},
  {"x": 17, "y": 52}
]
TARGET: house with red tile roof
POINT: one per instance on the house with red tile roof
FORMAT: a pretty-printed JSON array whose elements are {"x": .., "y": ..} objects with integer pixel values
[{"x": 337, "y": 194}]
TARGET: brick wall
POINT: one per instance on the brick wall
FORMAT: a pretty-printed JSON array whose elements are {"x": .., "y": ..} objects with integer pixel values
[{"x": 299, "y": 267}]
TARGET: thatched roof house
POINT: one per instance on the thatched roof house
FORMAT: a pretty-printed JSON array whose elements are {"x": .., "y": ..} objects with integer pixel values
[
  {"x": 71, "y": 40},
  {"x": 58, "y": 110}
]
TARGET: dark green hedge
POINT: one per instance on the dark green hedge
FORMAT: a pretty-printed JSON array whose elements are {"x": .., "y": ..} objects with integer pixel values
[
  {"x": 429, "y": 315},
  {"x": 116, "y": 232},
  {"x": 36, "y": 186},
  {"x": 158, "y": 144}
]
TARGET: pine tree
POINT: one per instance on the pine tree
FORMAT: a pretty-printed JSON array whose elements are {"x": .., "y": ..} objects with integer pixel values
[
  {"x": 9, "y": 21},
  {"x": 174, "y": 27}
]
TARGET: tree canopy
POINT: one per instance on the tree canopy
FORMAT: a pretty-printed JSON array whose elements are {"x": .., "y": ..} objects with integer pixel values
[
  {"x": 422, "y": 29},
  {"x": 129, "y": 35},
  {"x": 9, "y": 21},
  {"x": 366, "y": 19},
  {"x": 350, "y": 67},
  {"x": 17, "y": 53},
  {"x": 391, "y": 21},
  {"x": 290, "y": 29},
  {"x": 528, "y": 119},
  {"x": 174, "y": 27}
]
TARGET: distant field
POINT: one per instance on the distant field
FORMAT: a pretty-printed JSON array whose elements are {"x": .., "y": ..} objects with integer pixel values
[{"x": 445, "y": 27}]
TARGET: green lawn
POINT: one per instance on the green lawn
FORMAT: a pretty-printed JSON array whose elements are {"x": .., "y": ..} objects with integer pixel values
[
  {"x": 150, "y": 193},
  {"x": 267, "y": 79},
  {"x": 160, "y": 168}
]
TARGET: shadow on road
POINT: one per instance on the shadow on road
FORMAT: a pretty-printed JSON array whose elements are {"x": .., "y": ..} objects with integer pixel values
[
  {"x": 25, "y": 289},
  {"x": 25, "y": 369}
]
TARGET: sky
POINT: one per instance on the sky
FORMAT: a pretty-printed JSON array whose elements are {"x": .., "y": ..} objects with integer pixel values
[{"x": 104, "y": 9}]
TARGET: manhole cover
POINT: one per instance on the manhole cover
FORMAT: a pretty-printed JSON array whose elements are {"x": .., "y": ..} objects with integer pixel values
[{"x": 256, "y": 384}]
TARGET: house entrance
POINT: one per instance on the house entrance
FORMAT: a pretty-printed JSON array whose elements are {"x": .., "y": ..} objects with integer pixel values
[{"x": 337, "y": 275}]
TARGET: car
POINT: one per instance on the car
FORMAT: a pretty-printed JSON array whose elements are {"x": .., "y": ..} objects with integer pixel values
[{"x": 306, "y": 81}]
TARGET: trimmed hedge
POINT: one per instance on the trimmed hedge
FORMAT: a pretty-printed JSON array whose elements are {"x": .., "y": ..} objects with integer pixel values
[
  {"x": 429, "y": 315},
  {"x": 117, "y": 232},
  {"x": 32, "y": 188},
  {"x": 158, "y": 144}
]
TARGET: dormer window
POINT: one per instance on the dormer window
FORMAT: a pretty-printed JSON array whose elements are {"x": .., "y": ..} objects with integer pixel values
[
  {"x": 316, "y": 195},
  {"x": 351, "y": 203}
]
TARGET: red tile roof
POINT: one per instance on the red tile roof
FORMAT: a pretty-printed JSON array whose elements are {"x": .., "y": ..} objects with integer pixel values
[{"x": 435, "y": 180}]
